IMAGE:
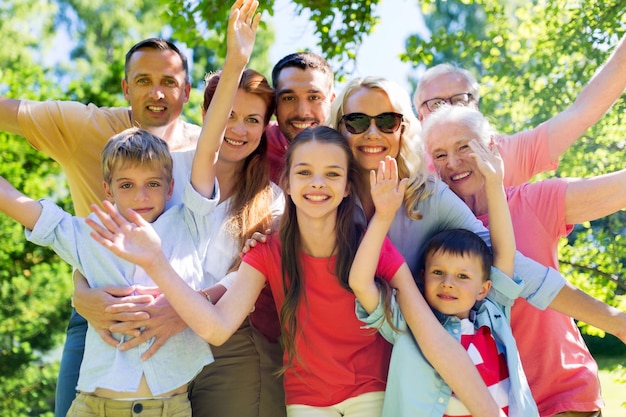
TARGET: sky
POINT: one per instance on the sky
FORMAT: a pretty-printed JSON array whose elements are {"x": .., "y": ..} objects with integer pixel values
[{"x": 379, "y": 52}]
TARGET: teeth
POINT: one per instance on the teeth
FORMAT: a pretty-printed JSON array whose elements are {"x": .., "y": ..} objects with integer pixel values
[
  {"x": 316, "y": 197},
  {"x": 301, "y": 125},
  {"x": 372, "y": 149},
  {"x": 234, "y": 142},
  {"x": 460, "y": 176},
  {"x": 156, "y": 108}
]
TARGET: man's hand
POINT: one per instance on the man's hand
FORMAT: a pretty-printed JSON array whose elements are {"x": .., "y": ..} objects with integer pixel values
[
  {"x": 94, "y": 304},
  {"x": 163, "y": 322}
]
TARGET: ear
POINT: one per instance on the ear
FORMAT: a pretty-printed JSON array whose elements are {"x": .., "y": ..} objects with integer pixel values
[
  {"x": 125, "y": 88},
  {"x": 348, "y": 190},
  {"x": 187, "y": 91},
  {"x": 107, "y": 192},
  {"x": 170, "y": 192},
  {"x": 484, "y": 290}
]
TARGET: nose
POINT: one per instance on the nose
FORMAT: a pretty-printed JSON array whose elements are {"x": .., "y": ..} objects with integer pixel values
[
  {"x": 157, "y": 93},
  {"x": 141, "y": 193},
  {"x": 446, "y": 282},
  {"x": 317, "y": 181},
  {"x": 372, "y": 130},
  {"x": 238, "y": 128},
  {"x": 304, "y": 109},
  {"x": 454, "y": 161}
]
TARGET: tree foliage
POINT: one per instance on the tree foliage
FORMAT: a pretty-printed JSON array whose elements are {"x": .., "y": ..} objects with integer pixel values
[{"x": 531, "y": 58}]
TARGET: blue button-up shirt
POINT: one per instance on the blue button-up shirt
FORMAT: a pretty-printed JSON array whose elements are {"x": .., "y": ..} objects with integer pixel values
[{"x": 183, "y": 229}]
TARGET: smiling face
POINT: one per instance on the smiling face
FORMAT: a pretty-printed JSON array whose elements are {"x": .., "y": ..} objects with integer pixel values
[
  {"x": 244, "y": 128},
  {"x": 318, "y": 179},
  {"x": 371, "y": 146},
  {"x": 156, "y": 87},
  {"x": 303, "y": 99},
  {"x": 448, "y": 147},
  {"x": 453, "y": 283},
  {"x": 141, "y": 187}
]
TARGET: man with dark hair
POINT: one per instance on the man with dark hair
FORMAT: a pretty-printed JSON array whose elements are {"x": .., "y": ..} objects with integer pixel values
[
  {"x": 304, "y": 84},
  {"x": 156, "y": 84}
]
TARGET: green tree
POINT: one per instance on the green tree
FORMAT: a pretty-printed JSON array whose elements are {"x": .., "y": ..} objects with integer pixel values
[{"x": 34, "y": 283}]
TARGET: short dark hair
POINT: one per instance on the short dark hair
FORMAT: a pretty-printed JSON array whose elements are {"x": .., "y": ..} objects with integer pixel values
[
  {"x": 160, "y": 45},
  {"x": 303, "y": 60},
  {"x": 461, "y": 242}
]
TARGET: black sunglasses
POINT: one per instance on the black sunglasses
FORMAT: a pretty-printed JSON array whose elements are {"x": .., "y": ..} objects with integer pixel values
[{"x": 357, "y": 123}]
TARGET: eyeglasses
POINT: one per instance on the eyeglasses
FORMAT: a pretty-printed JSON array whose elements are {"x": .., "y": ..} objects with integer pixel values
[
  {"x": 462, "y": 99},
  {"x": 357, "y": 123}
]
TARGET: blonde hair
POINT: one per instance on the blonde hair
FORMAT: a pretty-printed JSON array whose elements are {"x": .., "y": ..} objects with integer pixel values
[
  {"x": 411, "y": 155},
  {"x": 135, "y": 146}
]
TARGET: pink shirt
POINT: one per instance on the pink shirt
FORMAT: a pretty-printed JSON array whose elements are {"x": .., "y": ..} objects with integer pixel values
[
  {"x": 339, "y": 359},
  {"x": 525, "y": 154},
  {"x": 277, "y": 145},
  {"x": 561, "y": 372}
]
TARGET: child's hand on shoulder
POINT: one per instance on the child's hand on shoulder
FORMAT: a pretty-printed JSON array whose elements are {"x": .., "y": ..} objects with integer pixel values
[{"x": 386, "y": 189}]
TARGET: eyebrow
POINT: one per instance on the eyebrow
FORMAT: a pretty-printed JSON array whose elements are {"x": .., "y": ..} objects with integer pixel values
[
  {"x": 146, "y": 74},
  {"x": 292, "y": 91},
  {"x": 305, "y": 164}
]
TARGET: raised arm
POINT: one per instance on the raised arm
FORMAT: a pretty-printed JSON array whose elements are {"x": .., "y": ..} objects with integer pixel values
[
  {"x": 242, "y": 26},
  {"x": 387, "y": 195},
  {"x": 8, "y": 115},
  {"x": 16, "y": 205},
  {"x": 606, "y": 86},
  {"x": 491, "y": 166},
  {"x": 595, "y": 197}
]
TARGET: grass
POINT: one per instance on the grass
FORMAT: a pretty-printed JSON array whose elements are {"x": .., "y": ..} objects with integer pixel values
[{"x": 613, "y": 392}]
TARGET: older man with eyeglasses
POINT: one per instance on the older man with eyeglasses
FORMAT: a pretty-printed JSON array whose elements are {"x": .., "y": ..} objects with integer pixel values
[{"x": 564, "y": 382}]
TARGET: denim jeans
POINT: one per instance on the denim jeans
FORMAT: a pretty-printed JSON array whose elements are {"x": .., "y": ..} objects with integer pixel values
[{"x": 70, "y": 364}]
